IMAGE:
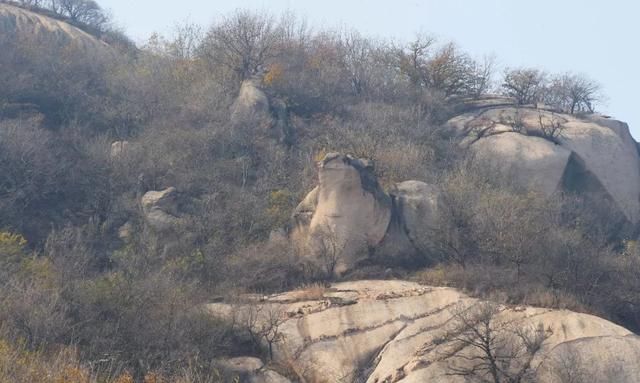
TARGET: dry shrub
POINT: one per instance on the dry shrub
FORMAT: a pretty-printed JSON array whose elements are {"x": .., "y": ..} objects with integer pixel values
[
  {"x": 311, "y": 291},
  {"x": 266, "y": 267},
  {"x": 499, "y": 284},
  {"x": 19, "y": 364}
]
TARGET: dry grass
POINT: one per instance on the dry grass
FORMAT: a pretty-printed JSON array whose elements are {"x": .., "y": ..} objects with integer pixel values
[
  {"x": 19, "y": 364},
  {"x": 311, "y": 292},
  {"x": 499, "y": 285}
]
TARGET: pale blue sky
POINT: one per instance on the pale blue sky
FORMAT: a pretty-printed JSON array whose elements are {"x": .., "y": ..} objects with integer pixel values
[{"x": 597, "y": 38}]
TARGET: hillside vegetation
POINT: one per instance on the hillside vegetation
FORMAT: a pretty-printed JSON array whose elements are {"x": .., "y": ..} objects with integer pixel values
[{"x": 91, "y": 291}]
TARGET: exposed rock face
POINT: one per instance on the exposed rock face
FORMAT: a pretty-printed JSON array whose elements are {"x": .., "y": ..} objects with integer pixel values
[
  {"x": 119, "y": 149},
  {"x": 396, "y": 331},
  {"x": 252, "y": 103},
  {"x": 348, "y": 217},
  {"x": 250, "y": 370},
  {"x": 20, "y": 24},
  {"x": 160, "y": 209},
  {"x": 351, "y": 212},
  {"x": 267, "y": 116},
  {"x": 517, "y": 142},
  {"x": 420, "y": 206}
]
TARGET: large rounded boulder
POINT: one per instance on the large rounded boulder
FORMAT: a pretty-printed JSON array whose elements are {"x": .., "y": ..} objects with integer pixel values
[
  {"x": 548, "y": 152},
  {"x": 345, "y": 216}
]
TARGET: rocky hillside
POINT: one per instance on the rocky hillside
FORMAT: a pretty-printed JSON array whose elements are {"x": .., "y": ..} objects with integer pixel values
[
  {"x": 256, "y": 157},
  {"x": 398, "y": 331}
]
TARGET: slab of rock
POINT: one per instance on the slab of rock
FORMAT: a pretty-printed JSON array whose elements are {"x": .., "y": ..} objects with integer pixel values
[
  {"x": 250, "y": 370},
  {"x": 513, "y": 138},
  {"x": 395, "y": 331},
  {"x": 31, "y": 27},
  {"x": 532, "y": 162}
]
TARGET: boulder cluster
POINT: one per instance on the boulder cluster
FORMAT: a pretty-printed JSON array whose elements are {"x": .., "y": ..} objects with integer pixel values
[
  {"x": 348, "y": 217},
  {"x": 549, "y": 152}
]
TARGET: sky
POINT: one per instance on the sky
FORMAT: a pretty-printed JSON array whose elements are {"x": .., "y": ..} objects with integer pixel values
[{"x": 600, "y": 39}]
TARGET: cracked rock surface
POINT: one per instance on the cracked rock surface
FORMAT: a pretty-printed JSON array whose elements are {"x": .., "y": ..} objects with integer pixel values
[{"x": 391, "y": 331}]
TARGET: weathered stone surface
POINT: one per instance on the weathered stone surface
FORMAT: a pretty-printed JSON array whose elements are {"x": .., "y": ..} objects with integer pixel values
[
  {"x": 125, "y": 231},
  {"x": 532, "y": 162},
  {"x": 392, "y": 331},
  {"x": 350, "y": 215},
  {"x": 119, "y": 149},
  {"x": 251, "y": 104},
  {"x": 30, "y": 27},
  {"x": 250, "y": 370},
  {"x": 420, "y": 206},
  {"x": 513, "y": 138},
  {"x": 609, "y": 153},
  {"x": 351, "y": 212},
  {"x": 160, "y": 209}
]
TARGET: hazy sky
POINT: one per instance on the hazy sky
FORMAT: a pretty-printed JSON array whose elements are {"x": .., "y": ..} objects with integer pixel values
[{"x": 597, "y": 38}]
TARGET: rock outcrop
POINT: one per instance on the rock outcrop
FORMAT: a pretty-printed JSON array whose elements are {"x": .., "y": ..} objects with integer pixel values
[
  {"x": 351, "y": 212},
  {"x": 167, "y": 229},
  {"x": 160, "y": 209},
  {"x": 348, "y": 215},
  {"x": 419, "y": 205},
  {"x": 249, "y": 370},
  {"x": 547, "y": 152},
  {"x": 251, "y": 104},
  {"x": 398, "y": 331},
  {"x": 264, "y": 115},
  {"x": 25, "y": 26},
  {"x": 119, "y": 149}
]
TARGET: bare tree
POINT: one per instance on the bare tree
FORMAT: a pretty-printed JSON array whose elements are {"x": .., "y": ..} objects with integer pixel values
[
  {"x": 449, "y": 70},
  {"x": 357, "y": 51},
  {"x": 525, "y": 84},
  {"x": 413, "y": 59},
  {"x": 328, "y": 249},
  {"x": 573, "y": 93},
  {"x": 484, "y": 348},
  {"x": 186, "y": 40},
  {"x": 31, "y": 3},
  {"x": 480, "y": 76},
  {"x": 262, "y": 322},
  {"x": 243, "y": 42},
  {"x": 83, "y": 11},
  {"x": 551, "y": 130}
]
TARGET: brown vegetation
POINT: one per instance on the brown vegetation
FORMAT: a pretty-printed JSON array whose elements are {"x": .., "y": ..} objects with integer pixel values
[{"x": 76, "y": 299}]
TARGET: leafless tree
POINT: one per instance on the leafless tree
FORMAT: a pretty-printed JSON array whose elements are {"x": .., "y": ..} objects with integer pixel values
[
  {"x": 243, "y": 42},
  {"x": 357, "y": 51},
  {"x": 551, "y": 129},
  {"x": 573, "y": 93},
  {"x": 525, "y": 84},
  {"x": 328, "y": 249},
  {"x": 262, "y": 322},
  {"x": 187, "y": 38},
  {"x": 31, "y": 3},
  {"x": 480, "y": 76},
  {"x": 83, "y": 11},
  {"x": 413, "y": 59},
  {"x": 449, "y": 70},
  {"x": 484, "y": 348}
]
